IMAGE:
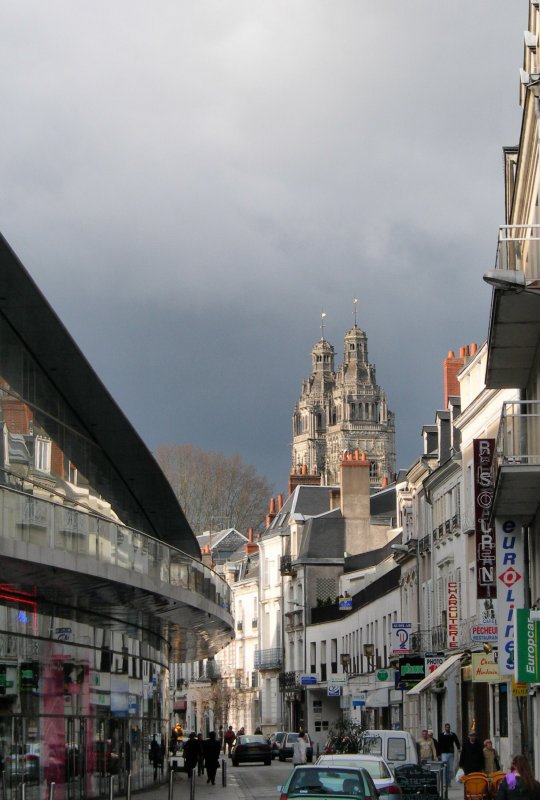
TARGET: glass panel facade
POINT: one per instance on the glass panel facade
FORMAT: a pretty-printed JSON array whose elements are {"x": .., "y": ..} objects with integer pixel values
[{"x": 84, "y": 641}]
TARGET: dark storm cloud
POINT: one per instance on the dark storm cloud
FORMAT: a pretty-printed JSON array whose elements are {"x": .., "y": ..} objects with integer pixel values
[{"x": 191, "y": 183}]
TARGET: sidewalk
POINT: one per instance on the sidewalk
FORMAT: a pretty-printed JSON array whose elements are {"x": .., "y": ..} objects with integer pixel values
[{"x": 203, "y": 790}]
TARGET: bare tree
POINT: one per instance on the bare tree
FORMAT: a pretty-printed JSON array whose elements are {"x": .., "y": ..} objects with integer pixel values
[{"x": 214, "y": 490}]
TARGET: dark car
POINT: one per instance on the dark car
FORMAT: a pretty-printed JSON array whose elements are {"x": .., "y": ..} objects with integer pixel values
[
  {"x": 287, "y": 743},
  {"x": 275, "y": 741},
  {"x": 328, "y": 783},
  {"x": 247, "y": 749}
]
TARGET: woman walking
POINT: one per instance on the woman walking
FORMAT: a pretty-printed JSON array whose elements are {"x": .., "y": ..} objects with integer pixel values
[{"x": 519, "y": 783}]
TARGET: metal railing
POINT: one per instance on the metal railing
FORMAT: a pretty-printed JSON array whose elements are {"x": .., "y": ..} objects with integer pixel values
[
  {"x": 52, "y": 526},
  {"x": 518, "y": 248},
  {"x": 518, "y": 440},
  {"x": 271, "y": 658}
]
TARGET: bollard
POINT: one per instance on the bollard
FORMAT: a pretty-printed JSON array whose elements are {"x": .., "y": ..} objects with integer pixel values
[
  {"x": 23, "y": 791},
  {"x": 223, "y": 772},
  {"x": 111, "y": 787},
  {"x": 4, "y": 792},
  {"x": 171, "y": 778},
  {"x": 128, "y": 786},
  {"x": 192, "y": 786},
  {"x": 52, "y": 787}
]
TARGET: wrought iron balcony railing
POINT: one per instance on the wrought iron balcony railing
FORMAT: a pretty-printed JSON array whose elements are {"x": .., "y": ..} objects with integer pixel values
[
  {"x": 518, "y": 440},
  {"x": 271, "y": 658}
]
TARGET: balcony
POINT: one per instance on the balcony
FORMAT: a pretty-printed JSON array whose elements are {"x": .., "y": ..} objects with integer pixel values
[
  {"x": 286, "y": 566},
  {"x": 517, "y": 485},
  {"x": 438, "y": 637},
  {"x": 289, "y": 681},
  {"x": 272, "y": 658},
  {"x": 514, "y": 325},
  {"x": 294, "y": 620}
]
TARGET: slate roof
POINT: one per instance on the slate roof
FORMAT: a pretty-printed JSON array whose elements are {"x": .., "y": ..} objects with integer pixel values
[{"x": 323, "y": 537}]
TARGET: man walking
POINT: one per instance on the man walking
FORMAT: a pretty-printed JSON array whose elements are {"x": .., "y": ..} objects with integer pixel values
[
  {"x": 211, "y": 751},
  {"x": 448, "y": 740},
  {"x": 426, "y": 747}
]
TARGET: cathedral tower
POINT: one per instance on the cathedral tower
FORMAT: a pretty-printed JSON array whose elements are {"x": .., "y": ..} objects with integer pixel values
[{"x": 343, "y": 410}]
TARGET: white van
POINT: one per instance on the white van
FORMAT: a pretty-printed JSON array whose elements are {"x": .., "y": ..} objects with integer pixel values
[{"x": 396, "y": 747}]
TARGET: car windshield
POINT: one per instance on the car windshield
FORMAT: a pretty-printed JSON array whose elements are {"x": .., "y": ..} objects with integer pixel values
[
  {"x": 252, "y": 739},
  {"x": 340, "y": 782},
  {"x": 376, "y": 767}
]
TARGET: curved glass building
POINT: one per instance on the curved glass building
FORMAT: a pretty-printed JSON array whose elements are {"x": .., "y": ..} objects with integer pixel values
[{"x": 101, "y": 583}]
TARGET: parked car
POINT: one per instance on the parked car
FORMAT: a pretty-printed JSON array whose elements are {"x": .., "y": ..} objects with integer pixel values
[
  {"x": 275, "y": 740},
  {"x": 247, "y": 749},
  {"x": 287, "y": 743},
  {"x": 320, "y": 782},
  {"x": 381, "y": 772}
]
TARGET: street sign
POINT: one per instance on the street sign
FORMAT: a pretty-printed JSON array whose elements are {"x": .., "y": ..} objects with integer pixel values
[
  {"x": 345, "y": 603},
  {"x": 333, "y": 691},
  {"x": 383, "y": 675},
  {"x": 338, "y": 678},
  {"x": 308, "y": 680},
  {"x": 401, "y": 634}
]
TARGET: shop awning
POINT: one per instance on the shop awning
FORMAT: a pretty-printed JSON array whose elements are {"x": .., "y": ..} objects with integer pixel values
[{"x": 438, "y": 673}]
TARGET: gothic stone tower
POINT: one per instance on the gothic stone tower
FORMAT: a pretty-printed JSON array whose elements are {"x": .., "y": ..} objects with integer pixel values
[{"x": 340, "y": 410}]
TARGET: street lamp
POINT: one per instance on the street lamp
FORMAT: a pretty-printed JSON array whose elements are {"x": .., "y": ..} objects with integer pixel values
[{"x": 510, "y": 280}]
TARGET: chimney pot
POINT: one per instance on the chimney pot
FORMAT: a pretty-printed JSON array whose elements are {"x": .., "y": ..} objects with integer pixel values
[{"x": 279, "y": 502}]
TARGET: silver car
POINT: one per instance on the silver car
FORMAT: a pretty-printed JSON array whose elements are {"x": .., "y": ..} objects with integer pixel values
[{"x": 377, "y": 767}]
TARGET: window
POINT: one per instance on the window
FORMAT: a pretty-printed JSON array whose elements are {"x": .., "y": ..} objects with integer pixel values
[{"x": 42, "y": 454}]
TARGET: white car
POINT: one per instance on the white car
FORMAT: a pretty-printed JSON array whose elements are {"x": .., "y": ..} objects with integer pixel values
[{"x": 378, "y": 768}]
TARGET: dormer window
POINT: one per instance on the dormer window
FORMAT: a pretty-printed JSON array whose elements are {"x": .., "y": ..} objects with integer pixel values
[{"x": 42, "y": 454}]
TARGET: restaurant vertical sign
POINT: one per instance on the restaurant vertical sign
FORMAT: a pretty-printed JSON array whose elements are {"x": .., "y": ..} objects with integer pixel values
[{"x": 486, "y": 581}]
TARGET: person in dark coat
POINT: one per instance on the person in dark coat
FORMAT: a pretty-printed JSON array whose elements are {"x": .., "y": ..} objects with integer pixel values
[
  {"x": 519, "y": 783},
  {"x": 191, "y": 753},
  {"x": 472, "y": 755},
  {"x": 211, "y": 750},
  {"x": 155, "y": 755}
]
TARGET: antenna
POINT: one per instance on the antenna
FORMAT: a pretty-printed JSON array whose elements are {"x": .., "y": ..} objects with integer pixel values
[
  {"x": 323, "y": 315},
  {"x": 355, "y": 303}
]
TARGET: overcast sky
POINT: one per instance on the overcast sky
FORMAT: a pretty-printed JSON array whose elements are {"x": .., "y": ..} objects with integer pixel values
[{"x": 192, "y": 182}]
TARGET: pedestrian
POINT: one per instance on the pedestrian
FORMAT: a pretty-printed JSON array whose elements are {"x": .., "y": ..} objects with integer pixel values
[
  {"x": 211, "y": 750},
  {"x": 435, "y": 742},
  {"x": 229, "y": 738},
  {"x": 220, "y": 735},
  {"x": 155, "y": 755},
  {"x": 448, "y": 740},
  {"x": 191, "y": 753},
  {"x": 519, "y": 783},
  {"x": 472, "y": 754},
  {"x": 491, "y": 758},
  {"x": 299, "y": 750},
  {"x": 426, "y": 747},
  {"x": 258, "y": 731},
  {"x": 200, "y": 755}
]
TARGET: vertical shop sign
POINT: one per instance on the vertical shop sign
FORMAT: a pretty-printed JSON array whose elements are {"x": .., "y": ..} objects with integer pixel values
[
  {"x": 483, "y": 452},
  {"x": 453, "y": 616},
  {"x": 510, "y": 586},
  {"x": 527, "y": 644}
]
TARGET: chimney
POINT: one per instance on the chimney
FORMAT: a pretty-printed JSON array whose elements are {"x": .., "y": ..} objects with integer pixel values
[
  {"x": 335, "y": 494},
  {"x": 279, "y": 502},
  {"x": 250, "y": 534},
  {"x": 355, "y": 505},
  {"x": 300, "y": 477},
  {"x": 451, "y": 367},
  {"x": 271, "y": 512}
]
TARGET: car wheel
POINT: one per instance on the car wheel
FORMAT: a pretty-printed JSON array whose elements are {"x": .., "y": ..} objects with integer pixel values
[
  {"x": 234, "y": 763},
  {"x": 281, "y": 758},
  {"x": 268, "y": 762}
]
